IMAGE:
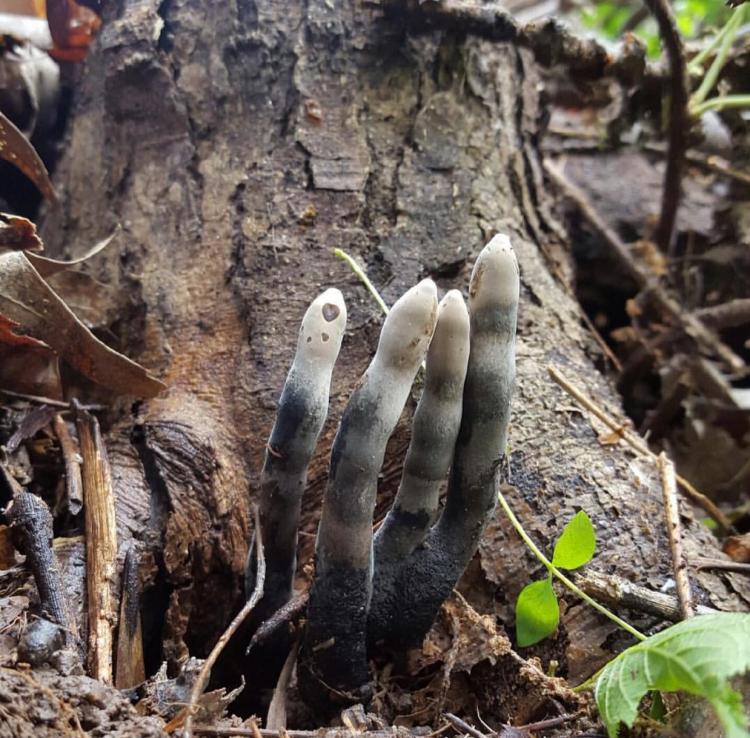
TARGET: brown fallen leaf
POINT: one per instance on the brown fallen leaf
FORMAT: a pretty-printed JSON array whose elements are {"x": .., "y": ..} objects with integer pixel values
[
  {"x": 16, "y": 149},
  {"x": 738, "y": 548},
  {"x": 47, "y": 267},
  {"x": 28, "y": 300},
  {"x": 27, "y": 365},
  {"x": 18, "y": 233}
]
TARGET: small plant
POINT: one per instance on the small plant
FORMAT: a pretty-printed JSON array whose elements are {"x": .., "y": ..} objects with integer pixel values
[
  {"x": 537, "y": 610},
  {"x": 697, "y": 656}
]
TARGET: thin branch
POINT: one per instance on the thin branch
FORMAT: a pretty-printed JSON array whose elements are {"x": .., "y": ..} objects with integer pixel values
[
  {"x": 72, "y": 464},
  {"x": 47, "y": 400},
  {"x": 621, "y": 593},
  {"x": 708, "y": 161},
  {"x": 721, "y": 565},
  {"x": 205, "y": 672},
  {"x": 638, "y": 444},
  {"x": 689, "y": 323},
  {"x": 729, "y": 314},
  {"x": 672, "y": 518},
  {"x": 462, "y": 726},
  {"x": 677, "y": 135}
]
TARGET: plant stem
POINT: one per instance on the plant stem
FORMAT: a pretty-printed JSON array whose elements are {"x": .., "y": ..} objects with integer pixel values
[
  {"x": 721, "y": 103},
  {"x": 719, "y": 60},
  {"x": 559, "y": 575},
  {"x": 357, "y": 269},
  {"x": 695, "y": 66}
]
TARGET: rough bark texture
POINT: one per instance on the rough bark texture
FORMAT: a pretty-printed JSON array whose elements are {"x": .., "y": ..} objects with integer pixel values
[{"x": 238, "y": 143}]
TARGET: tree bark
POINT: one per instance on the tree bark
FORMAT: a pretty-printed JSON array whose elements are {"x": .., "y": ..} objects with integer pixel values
[{"x": 238, "y": 143}]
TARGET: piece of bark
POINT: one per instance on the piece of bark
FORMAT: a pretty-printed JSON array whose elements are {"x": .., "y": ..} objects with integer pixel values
[{"x": 101, "y": 545}]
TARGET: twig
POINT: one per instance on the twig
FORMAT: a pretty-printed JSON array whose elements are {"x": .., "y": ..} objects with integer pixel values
[
  {"x": 101, "y": 544},
  {"x": 205, "y": 672},
  {"x": 618, "y": 592},
  {"x": 130, "y": 669},
  {"x": 48, "y": 400},
  {"x": 463, "y": 726},
  {"x": 720, "y": 564},
  {"x": 728, "y": 315},
  {"x": 672, "y": 518},
  {"x": 677, "y": 135},
  {"x": 711, "y": 162},
  {"x": 690, "y": 324},
  {"x": 72, "y": 462},
  {"x": 638, "y": 444},
  {"x": 286, "y": 614},
  {"x": 32, "y": 422},
  {"x": 30, "y": 516}
]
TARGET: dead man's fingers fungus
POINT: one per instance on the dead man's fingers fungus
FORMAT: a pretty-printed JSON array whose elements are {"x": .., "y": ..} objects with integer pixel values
[
  {"x": 404, "y": 606},
  {"x": 437, "y": 420},
  {"x": 333, "y": 658},
  {"x": 303, "y": 408}
]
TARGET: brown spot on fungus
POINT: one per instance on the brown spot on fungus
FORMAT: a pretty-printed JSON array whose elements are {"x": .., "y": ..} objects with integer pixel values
[
  {"x": 330, "y": 312},
  {"x": 324, "y": 336}
]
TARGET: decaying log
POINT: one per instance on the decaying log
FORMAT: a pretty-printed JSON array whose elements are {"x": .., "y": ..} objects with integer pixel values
[{"x": 238, "y": 143}]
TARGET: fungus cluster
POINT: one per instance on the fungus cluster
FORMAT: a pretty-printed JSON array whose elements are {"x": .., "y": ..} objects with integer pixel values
[{"x": 385, "y": 590}]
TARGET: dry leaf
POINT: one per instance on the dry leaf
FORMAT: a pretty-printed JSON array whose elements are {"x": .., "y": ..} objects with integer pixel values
[
  {"x": 18, "y": 233},
  {"x": 47, "y": 267},
  {"x": 27, "y": 299},
  {"x": 16, "y": 149},
  {"x": 27, "y": 365},
  {"x": 647, "y": 252},
  {"x": 738, "y": 548}
]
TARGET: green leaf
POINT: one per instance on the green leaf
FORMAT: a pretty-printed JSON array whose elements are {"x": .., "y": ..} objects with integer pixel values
[
  {"x": 696, "y": 656},
  {"x": 576, "y": 544},
  {"x": 537, "y": 612}
]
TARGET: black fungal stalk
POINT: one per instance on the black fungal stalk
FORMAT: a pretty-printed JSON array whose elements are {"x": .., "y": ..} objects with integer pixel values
[
  {"x": 404, "y": 606},
  {"x": 332, "y": 666},
  {"x": 368, "y": 592},
  {"x": 303, "y": 408}
]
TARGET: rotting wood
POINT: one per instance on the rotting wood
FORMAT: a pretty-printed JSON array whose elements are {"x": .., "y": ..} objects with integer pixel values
[
  {"x": 620, "y": 593},
  {"x": 29, "y": 515},
  {"x": 72, "y": 461},
  {"x": 690, "y": 323},
  {"x": 101, "y": 544},
  {"x": 129, "y": 664},
  {"x": 633, "y": 440},
  {"x": 674, "y": 534}
]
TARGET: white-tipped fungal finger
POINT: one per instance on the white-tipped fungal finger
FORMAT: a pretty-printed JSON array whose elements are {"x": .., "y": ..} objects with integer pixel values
[
  {"x": 434, "y": 431},
  {"x": 303, "y": 408},
  {"x": 430, "y": 573},
  {"x": 333, "y": 659}
]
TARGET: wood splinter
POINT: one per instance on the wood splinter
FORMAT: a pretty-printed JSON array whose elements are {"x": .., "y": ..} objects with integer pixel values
[{"x": 101, "y": 544}]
